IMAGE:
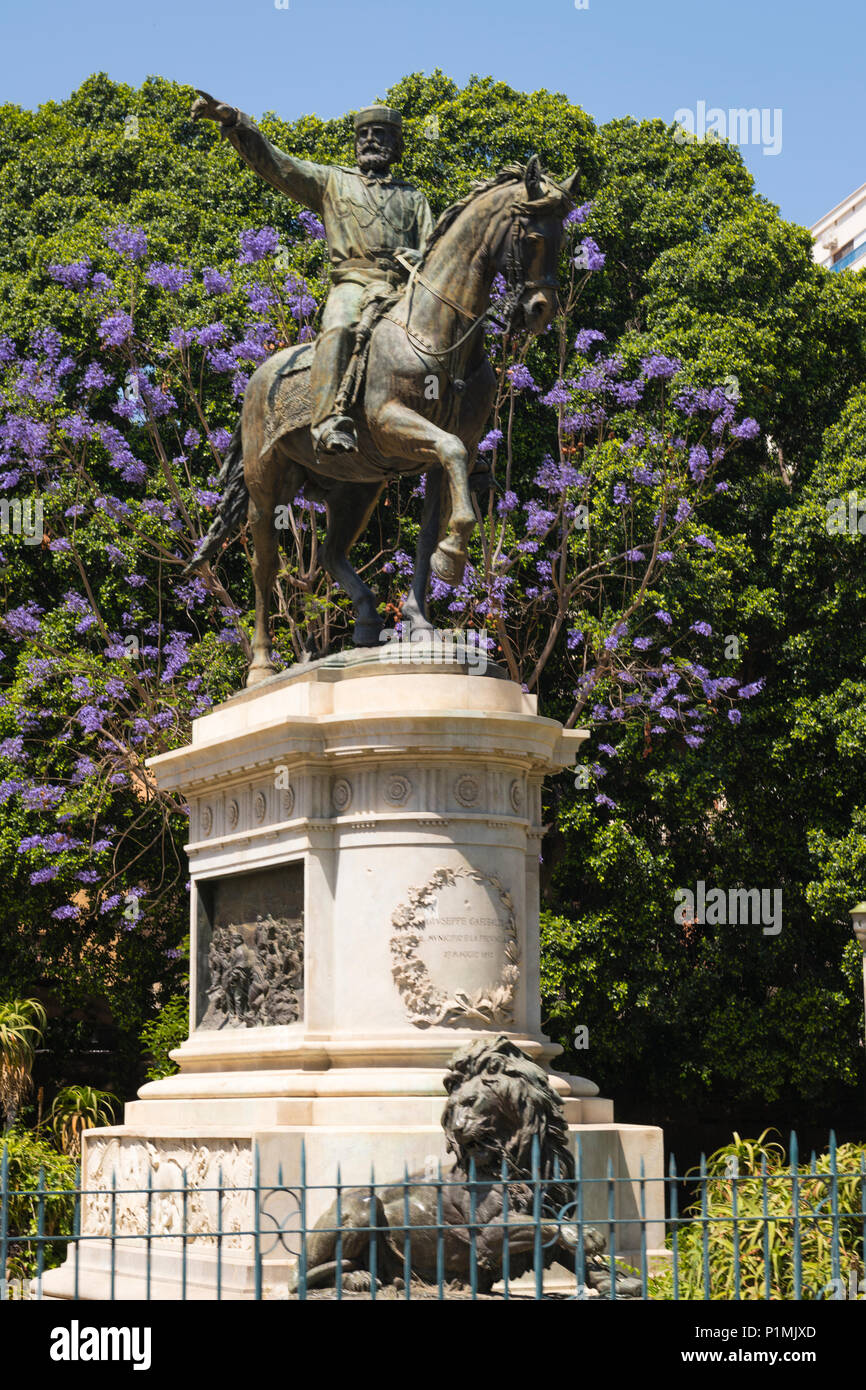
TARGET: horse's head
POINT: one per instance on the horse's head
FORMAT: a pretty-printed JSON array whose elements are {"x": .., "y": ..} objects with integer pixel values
[{"x": 528, "y": 254}]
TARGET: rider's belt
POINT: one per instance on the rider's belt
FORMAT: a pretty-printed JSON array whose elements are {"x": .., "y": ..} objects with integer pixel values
[{"x": 385, "y": 265}]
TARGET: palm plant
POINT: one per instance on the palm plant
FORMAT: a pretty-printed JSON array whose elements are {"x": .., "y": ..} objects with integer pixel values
[
  {"x": 75, "y": 1109},
  {"x": 22, "y": 1023}
]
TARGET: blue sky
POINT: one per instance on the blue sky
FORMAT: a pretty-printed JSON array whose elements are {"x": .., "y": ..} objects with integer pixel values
[{"x": 614, "y": 57}]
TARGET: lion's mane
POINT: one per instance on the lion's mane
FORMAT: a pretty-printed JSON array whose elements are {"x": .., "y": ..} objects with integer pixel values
[{"x": 510, "y": 1093}]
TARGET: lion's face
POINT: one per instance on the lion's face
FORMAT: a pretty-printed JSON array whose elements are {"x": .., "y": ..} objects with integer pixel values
[
  {"x": 499, "y": 1101},
  {"x": 480, "y": 1123}
]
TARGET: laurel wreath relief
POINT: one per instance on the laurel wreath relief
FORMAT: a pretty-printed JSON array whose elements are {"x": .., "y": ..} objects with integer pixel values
[{"x": 428, "y": 1005}]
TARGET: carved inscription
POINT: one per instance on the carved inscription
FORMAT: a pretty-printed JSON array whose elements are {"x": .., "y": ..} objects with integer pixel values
[{"x": 455, "y": 949}]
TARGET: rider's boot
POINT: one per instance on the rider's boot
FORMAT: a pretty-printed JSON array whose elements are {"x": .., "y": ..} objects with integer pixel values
[
  {"x": 336, "y": 435},
  {"x": 333, "y": 431}
]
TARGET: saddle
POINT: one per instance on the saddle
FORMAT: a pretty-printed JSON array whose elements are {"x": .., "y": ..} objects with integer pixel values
[{"x": 291, "y": 410}]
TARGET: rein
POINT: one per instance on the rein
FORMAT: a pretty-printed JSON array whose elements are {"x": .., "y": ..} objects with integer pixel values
[{"x": 517, "y": 285}]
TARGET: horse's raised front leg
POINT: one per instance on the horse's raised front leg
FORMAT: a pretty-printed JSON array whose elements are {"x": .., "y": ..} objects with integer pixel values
[
  {"x": 415, "y": 616},
  {"x": 350, "y": 506},
  {"x": 401, "y": 432}
]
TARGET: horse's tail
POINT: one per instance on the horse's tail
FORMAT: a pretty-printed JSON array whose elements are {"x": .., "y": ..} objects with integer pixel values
[{"x": 232, "y": 510}]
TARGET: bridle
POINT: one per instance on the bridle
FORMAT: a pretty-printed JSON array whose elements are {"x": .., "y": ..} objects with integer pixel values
[{"x": 503, "y": 315}]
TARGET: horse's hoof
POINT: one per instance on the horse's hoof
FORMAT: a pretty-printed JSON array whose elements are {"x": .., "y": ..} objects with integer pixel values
[
  {"x": 366, "y": 634},
  {"x": 448, "y": 565}
]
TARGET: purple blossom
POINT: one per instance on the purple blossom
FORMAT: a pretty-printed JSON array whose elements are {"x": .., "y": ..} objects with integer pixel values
[
  {"x": 130, "y": 242},
  {"x": 705, "y": 542},
  {"x": 508, "y": 502},
  {"x": 521, "y": 378},
  {"x": 211, "y": 334},
  {"x": 627, "y": 392},
  {"x": 44, "y": 875},
  {"x": 602, "y": 800},
  {"x": 260, "y": 298},
  {"x": 657, "y": 365},
  {"x": 746, "y": 429},
  {"x": 23, "y": 621},
  {"x": 734, "y": 715},
  {"x": 556, "y": 396},
  {"x": 664, "y": 617},
  {"x": 577, "y": 215},
  {"x": 257, "y": 244},
  {"x": 699, "y": 462},
  {"x": 574, "y": 638},
  {"x": 116, "y": 329},
  {"x": 219, "y": 359},
  {"x": 215, "y": 282},
  {"x": 73, "y": 276},
  {"x": 590, "y": 256},
  {"x": 747, "y": 691},
  {"x": 702, "y": 628},
  {"x": 490, "y": 441},
  {"x": 585, "y": 339},
  {"x": 311, "y": 225},
  {"x": 95, "y": 377},
  {"x": 635, "y": 556},
  {"x": 538, "y": 519},
  {"x": 167, "y": 277},
  {"x": 643, "y": 643},
  {"x": 63, "y": 914},
  {"x": 91, "y": 718},
  {"x": 620, "y": 494}
]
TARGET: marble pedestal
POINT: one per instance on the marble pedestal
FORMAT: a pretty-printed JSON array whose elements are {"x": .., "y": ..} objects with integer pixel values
[{"x": 364, "y": 853}]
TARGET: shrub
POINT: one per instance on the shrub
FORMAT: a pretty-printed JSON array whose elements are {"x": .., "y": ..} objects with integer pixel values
[
  {"x": 75, "y": 1109},
  {"x": 24, "y": 1158},
  {"x": 159, "y": 1035},
  {"x": 755, "y": 1178}
]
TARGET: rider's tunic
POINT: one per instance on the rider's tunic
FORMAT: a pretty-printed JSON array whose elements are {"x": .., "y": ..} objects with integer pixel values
[{"x": 367, "y": 218}]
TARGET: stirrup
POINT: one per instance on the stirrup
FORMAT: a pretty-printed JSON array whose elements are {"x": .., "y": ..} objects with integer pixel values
[{"x": 339, "y": 438}]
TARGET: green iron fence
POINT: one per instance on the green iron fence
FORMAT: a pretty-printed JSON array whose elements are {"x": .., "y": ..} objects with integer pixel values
[{"x": 755, "y": 1228}]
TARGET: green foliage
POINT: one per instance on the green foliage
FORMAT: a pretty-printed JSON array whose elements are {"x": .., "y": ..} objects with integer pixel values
[
  {"x": 752, "y": 1181},
  {"x": 75, "y": 1109},
  {"x": 28, "y": 1162},
  {"x": 22, "y": 1023},
  {"x": 698, "y": 266},
  {"x": 167, "y": 1030}
]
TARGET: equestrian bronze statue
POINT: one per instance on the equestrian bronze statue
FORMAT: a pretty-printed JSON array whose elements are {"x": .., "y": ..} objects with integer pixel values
[{"x": 416, "y": 387}]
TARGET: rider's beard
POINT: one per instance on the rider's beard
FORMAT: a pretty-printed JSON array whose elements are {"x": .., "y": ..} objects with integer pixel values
[{"x": 374, "y": 158}]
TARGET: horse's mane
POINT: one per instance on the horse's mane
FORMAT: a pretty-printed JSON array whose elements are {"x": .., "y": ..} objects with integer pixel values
[{"x": 511, "y": 173}]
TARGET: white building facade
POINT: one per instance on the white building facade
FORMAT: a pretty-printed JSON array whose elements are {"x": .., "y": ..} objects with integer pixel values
[{"x": 840, "y": 236}]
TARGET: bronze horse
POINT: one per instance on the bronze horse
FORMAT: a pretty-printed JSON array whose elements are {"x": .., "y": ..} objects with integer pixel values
[{"x": 424, "y": 405}]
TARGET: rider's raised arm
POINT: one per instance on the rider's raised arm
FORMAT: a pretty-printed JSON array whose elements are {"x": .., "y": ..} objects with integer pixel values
[{"x": 299, "y": 178}]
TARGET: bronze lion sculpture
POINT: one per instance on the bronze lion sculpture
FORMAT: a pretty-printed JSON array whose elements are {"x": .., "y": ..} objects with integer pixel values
[{"x": 499, "y": 1102}]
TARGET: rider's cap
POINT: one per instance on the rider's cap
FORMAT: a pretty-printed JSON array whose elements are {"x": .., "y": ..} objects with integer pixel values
[{"x": 378, "y": 115}]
